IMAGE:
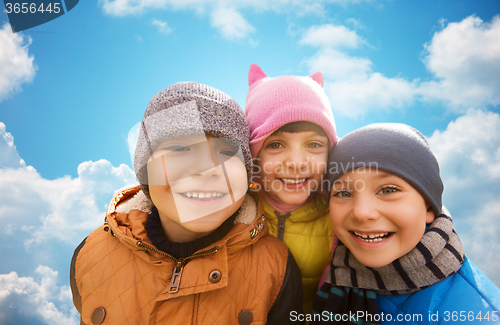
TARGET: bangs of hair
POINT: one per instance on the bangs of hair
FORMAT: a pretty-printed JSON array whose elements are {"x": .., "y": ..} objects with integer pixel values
[{"x": 301, "y": 126}]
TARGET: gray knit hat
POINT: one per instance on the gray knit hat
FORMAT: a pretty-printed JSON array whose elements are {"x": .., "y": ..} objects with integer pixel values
[
  {"x": 188, "y": 109},
  {"x": 392, "y": 147}
]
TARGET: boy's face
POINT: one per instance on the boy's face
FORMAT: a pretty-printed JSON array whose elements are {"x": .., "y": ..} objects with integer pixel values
[
  {"x": 197, "y": 182},
  {"x": 377, "y": 215},
  {"x": 292, "y": 165}
]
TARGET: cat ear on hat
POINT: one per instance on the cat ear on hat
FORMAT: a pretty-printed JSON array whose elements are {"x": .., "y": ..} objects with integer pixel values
[
  {"x": 255, "y": 73},
  {"x": 318, "y": 77}
]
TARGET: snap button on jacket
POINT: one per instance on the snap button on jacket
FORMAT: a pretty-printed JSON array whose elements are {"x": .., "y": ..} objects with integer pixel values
[
  {"x": 98, "y": 316},
  {"x": 239, "y": 280}
]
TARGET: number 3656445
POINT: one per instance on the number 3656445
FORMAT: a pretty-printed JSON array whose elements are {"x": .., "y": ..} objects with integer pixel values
[{"x": 26, "y": 8}]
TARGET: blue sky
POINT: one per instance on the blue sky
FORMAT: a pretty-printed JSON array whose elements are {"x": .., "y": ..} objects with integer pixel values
[{"x": 72, "y": 89}]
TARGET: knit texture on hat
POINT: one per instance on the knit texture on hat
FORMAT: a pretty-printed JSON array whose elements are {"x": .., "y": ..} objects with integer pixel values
[
  {"x": 274, "y": 102},
  {"x": 392, "y": 147},
  {"x": 187, "y": 109}
]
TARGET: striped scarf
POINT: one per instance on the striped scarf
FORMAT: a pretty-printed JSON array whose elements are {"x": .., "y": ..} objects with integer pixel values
[{"x": 351, "y": 286}]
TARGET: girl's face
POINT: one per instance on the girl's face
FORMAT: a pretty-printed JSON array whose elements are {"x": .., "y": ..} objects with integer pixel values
[
  {"x": 292, "y": 165},
  {"x": 196, "y": 183},
  {"x": 377, "y": 215}
]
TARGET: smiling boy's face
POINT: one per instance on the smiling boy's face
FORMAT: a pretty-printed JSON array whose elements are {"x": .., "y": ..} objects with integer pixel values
[
  {"x": 196, "y": 183},
  {"x": 377, "y": 215}
]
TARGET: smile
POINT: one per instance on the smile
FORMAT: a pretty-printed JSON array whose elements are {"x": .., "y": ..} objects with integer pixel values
[
  {"x": 371, "y": 238},
  {"x": 293, "y": 181},
  {"x": 202, "y": 195}
]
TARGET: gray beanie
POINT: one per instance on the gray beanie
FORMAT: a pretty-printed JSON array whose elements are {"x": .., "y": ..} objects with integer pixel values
[
  {"x": 186, "y": 109},
  {"x": 392, "y": 147}
]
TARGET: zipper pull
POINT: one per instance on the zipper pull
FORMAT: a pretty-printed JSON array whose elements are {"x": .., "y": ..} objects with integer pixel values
[
  {"x": 281, "y": 224},
  {"x": 176, "y": 277}
]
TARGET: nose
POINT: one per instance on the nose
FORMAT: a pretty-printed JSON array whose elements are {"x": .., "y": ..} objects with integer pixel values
[
  {"x": 296, "y": 160},
  {"x": 205, "y": 165},
  {"x": 364, "y": 209},
  {"x": 211, "y": 172}
]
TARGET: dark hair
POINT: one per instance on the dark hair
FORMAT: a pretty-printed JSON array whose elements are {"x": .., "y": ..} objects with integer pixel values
[{"x": 301, "y": 126}]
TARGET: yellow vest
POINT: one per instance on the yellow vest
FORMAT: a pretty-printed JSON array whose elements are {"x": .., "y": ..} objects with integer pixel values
[{"x": 308, "y": 233}]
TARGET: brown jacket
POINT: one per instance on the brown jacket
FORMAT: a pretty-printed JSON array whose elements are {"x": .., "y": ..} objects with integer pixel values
[{"x": 119, "y": 277}]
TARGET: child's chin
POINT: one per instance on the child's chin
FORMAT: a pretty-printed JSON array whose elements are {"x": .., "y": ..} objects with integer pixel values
[
  {"x": 203, "y": 228},
  {"x": 206, "y": 221},
  {"x": 294, "y": 198}
]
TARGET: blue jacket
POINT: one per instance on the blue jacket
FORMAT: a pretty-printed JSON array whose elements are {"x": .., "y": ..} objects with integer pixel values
[{"x": 466, "y": 297}]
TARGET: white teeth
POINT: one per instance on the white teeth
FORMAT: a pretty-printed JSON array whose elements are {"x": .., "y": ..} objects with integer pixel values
[
  {"x": 203, "y": 195},
  {"x": 293, "y": 181},
  {"x": 372, "y": 237}
]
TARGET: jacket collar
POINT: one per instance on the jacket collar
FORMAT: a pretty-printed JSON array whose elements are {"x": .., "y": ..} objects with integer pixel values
[
  {"x": 129, "y": 210},
  {"x": 312, "y": 210}
]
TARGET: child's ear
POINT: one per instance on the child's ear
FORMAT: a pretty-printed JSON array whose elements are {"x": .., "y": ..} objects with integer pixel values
[
  {"x": 255, "y": 73},
  {"x": 429, "y": 215},
  {"x": 318, "y": 77}
]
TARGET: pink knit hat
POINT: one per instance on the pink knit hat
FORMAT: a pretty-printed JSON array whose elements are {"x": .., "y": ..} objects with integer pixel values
[{"x": 274, "y": 102}]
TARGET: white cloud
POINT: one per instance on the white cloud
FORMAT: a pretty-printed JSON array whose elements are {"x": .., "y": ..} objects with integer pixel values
[
  {"x": 353, "y": 98},
  {"x": 224, "y": 15},
  {"x": 356, "y": 23},
  {"x": 162, "y": 26},
  {"x": 66, "y": 209},
  {"x": 350, "y": 83},
  {"x": 23, "y": 300},
  {"x": 16, "y": 64},
  {"x": 42, "y": 221},
  {"x": 131, "y": 7},
  {"x": 230, "y": 23},
  {"x": 338, "y": 66},
  {"x": 465, "y": 59},
  {"x": 332, "y": 36},
  {"x": 9, "y": 157},
  {"x": 468, "y": 152}
]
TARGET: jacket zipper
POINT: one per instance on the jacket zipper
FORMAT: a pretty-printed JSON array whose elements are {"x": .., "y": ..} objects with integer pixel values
[
  {"x": 179, "y": 263},
  {"x": 281, "y": 224}
]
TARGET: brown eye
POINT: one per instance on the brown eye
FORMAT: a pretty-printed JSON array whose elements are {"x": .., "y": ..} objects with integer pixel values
[
  {"x": 275, "y": 145},
  {"x": 389, "y": 190},
  {"x": 342, "y": 194},
  {"x": 314, "y": 145}
]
